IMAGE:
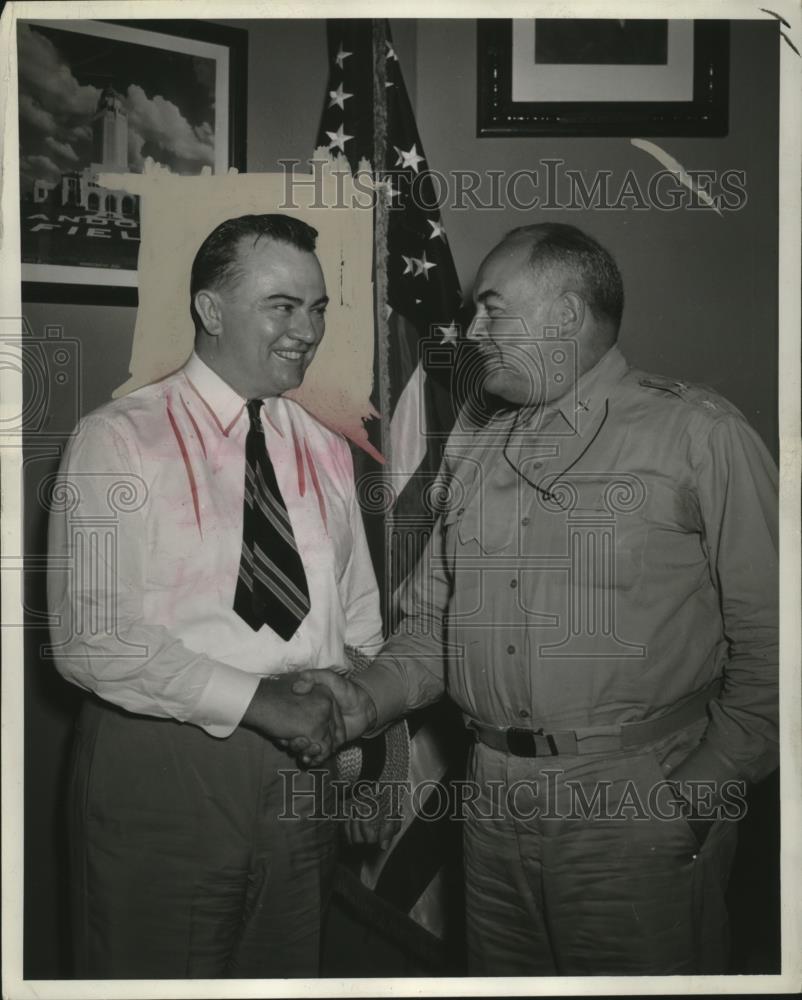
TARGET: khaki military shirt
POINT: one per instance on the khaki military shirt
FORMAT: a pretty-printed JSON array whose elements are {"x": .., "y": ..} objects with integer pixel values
[{"x": 598, "y": 563}]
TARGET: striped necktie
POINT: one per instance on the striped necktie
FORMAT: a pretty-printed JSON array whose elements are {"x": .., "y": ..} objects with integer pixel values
[{"x": 271, "y": 587}]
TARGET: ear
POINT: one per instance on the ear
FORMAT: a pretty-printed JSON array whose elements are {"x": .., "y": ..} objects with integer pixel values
[
  {"x": 570, "y": 310},
  {"x": 207, "y": 306}
]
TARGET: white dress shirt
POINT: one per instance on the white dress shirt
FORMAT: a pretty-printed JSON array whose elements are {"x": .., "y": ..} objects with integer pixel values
[{"x": 145, "y": 545}]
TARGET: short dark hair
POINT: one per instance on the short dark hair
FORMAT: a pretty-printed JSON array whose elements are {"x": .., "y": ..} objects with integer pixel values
[
  {"x": 555, "y": 243},
  {"x": 216, "y": 263}
]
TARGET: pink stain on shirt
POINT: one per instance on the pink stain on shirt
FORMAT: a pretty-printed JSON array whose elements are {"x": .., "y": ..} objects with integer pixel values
[
  {"x": 299, "y": 464},
  {"x": 194, "y": 424},
  {"x": 313, "y": 475},
  {"x": 193, "y": 486}
]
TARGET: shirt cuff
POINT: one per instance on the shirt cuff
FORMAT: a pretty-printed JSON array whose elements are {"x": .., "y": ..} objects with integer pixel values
[
  {"x": 224, "y": 700},
  {"x": 387, "y": 690}
]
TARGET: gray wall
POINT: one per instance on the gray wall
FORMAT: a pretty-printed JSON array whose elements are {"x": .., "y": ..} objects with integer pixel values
[{"x": 701, "y": 289}]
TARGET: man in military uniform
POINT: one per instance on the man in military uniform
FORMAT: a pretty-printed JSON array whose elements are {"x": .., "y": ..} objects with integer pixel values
[{"x": 603, "y": 581}]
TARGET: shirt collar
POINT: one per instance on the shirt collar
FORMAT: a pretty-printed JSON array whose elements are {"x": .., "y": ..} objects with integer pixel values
[
  {"x": 218, "y": 398},
  {"x": 580, "y": 405}
]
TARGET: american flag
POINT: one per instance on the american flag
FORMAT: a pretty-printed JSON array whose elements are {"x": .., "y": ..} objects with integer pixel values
[{"x": 418, "y": 326}]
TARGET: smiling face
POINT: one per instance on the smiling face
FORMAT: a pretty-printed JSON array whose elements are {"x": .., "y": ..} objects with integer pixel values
[
  {"x": 264, "y": 326},
  {"x": 518, "y": 312}
]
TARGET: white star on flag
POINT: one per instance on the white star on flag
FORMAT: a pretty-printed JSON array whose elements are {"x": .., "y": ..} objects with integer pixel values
[
  {"x": 338, "y": 97},
  {"x": 410, "y": 264},
  {"x": 408, "y": 158},
  {"x": 450, "y": 333},
  {"x": 437, "y": 229},
  {"x": 391, "y": 52},
  {"x": 422, "y": 265},
  {"x": 338, "y": 138},
  {"x": 341, "y": 56}
]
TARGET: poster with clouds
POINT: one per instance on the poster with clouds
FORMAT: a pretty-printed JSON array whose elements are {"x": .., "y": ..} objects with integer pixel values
[{"x": 100, "y": 97}]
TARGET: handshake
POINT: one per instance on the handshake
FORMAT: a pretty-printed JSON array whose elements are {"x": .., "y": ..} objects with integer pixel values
[{"x": 311, "y": 713}]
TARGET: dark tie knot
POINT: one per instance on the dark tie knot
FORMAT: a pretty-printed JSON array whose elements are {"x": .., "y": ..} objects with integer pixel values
[{"x": 254, "y": 413}]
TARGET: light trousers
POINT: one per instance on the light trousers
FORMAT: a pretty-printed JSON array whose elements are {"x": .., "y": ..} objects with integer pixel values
[{"x": 562, "y": 891}]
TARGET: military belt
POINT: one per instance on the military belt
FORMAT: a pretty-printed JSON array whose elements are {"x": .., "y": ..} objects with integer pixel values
[{"x": 569, "y": 742}]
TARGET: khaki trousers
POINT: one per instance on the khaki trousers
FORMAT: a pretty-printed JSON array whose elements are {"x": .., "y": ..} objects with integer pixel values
[{"x": 623, "y": 892}]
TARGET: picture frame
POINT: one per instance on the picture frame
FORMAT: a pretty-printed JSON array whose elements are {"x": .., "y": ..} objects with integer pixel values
[
  {"x": 565, "y": 81},
  {"x": 174, "y": 90}
]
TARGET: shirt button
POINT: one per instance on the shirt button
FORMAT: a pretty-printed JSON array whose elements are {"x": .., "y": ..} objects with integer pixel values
[
  {"x": 537, "y": 465},
  {"x": 460, "y": 511},
  {"x": 524, "y": 521},
  {"x": 523, "y": 713},
  {"x": 513, "y": 584},
  {"x": 510, "y": 648}
]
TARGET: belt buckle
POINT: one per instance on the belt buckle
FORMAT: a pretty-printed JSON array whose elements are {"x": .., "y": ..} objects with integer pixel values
[{"x": 521, "y": 742}]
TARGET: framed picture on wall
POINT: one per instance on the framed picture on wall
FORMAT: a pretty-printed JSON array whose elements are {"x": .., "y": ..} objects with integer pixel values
[
  {"x": 602, "y": 77},
  {"x": 100, "y": 97}
]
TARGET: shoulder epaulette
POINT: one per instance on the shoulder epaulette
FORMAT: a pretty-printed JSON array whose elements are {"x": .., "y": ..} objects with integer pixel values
[
  {"x": 699, "y": 395},
  {"x": 664, "y": 384}
]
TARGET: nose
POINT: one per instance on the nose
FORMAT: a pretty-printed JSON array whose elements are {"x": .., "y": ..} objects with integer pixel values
[
  {"x": 304, "y": 328},
  {"x": 478, "y": 328}
]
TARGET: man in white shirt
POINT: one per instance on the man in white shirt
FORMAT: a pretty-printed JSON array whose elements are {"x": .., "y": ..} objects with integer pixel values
[{"x": 205, "y": 544}]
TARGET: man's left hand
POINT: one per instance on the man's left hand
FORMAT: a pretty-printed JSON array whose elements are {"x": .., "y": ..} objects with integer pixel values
[{"x": 381, "y": 831}]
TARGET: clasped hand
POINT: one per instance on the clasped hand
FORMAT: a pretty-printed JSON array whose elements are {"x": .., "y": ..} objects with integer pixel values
[{"x": 311, "y": 713}]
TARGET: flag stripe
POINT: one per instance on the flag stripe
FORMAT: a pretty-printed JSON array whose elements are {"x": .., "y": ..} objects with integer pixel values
[
  {"x": 408, "y": 444},
  {"x": 419, "y": 856}
]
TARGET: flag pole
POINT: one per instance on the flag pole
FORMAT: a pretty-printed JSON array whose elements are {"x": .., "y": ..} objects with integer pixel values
[
  {"x": 380, "y": 225},
  {"x": 380, "y": 229}
]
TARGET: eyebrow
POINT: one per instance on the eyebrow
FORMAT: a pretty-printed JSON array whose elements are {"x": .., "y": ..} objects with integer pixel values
[
  {"x": 488, "y": 294},
  {"x": 322, "y": 301}
]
